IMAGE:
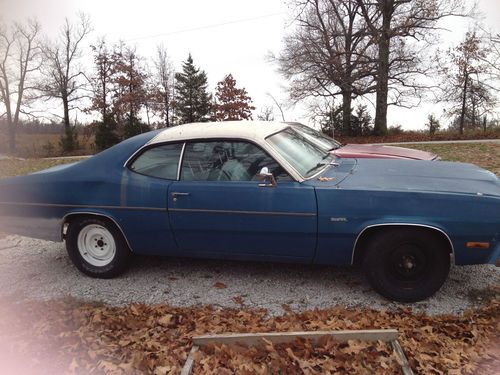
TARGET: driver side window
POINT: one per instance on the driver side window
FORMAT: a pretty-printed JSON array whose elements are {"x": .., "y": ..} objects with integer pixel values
[{"x": 227, "y": 161}]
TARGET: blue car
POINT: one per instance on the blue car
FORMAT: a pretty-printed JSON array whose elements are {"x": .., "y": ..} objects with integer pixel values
[{"x": 261, "y": 191}]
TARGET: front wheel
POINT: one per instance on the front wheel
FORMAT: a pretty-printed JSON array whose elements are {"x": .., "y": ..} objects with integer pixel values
[
  {"x": 97, "y": 248},
  {"x": 406, "y": 265}
]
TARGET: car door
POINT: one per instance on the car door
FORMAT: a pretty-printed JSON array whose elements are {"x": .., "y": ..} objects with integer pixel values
[
  {"x": 220, "y": 208},
  {"x": 144, "y": 185}
]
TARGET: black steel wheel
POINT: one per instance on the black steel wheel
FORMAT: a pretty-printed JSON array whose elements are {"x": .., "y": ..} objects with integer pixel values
[{"x": 406, "y": 264}]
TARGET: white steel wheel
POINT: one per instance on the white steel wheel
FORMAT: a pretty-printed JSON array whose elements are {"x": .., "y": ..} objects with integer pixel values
[{"x": 96, "y": 245}]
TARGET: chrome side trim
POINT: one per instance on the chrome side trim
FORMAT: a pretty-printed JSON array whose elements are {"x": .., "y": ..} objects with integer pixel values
[
  {"x": 181, "y": 158},
  {"x": 83, "y": 206},
  {"x": 94, "y": 214},
  {"x": 276, "y": 213},
  {"x": 134, "y": 154},
  {"x": 403, "y": 225}
]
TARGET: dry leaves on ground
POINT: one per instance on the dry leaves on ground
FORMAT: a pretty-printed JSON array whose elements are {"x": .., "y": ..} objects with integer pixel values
[
  {"x": 299, "y": 357},
  {"x": 71, "y": 337}
]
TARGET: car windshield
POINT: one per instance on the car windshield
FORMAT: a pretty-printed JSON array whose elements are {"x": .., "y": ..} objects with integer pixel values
[
  {"x": 306, "y": 156},
  {"x": 325, "y": 142}
]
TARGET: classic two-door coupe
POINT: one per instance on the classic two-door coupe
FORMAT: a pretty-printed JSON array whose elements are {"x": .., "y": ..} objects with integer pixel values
[{"x": 261, "y": 191}]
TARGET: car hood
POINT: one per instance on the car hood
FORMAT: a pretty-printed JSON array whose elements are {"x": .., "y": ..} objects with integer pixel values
[
  {"x": 380, "y": 151},
  {"x": 411, "y": 175}
]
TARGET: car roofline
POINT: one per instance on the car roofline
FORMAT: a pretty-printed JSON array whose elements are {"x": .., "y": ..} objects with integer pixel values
[
  {"x": 218, "y": 133},
  {"x": 251, "y": 130}
]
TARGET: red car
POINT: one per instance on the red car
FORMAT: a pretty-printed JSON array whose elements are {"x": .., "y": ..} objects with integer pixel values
[{"x": 362, "y": 150}]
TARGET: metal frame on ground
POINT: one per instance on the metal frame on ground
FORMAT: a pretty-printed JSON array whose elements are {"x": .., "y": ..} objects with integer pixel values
[{"x": 385, "y": 335}]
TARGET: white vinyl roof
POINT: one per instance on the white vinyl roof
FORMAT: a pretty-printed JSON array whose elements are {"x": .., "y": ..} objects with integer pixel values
[{"x": 255, "y": 131}]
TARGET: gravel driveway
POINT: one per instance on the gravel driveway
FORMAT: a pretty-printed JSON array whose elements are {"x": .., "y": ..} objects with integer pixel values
[{"x": 35, "y": 269}]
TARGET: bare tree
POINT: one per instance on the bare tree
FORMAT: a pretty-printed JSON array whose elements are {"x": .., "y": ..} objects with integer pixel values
[
  {"x": 163, "y": 80},
  {"x": 492, "y": 59},
  {"x": 280, "y": 106},
  {"x": 393, "y": 24},
  {"x": 481, "y": 101},
  {"x": 327, "y": 114},
  {"x": 463, "y": 76},
  {"x": 63, "y": 76},
  {"x": 19, "y": 58},
  {"x": 329, "y": 53},
  {"x": 266, "y": 113}
]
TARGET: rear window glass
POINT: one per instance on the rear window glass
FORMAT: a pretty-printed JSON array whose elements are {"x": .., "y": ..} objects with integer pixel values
[{"x": 161, "y": 161}]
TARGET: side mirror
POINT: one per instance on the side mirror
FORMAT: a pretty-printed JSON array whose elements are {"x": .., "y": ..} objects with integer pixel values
[{"x": 267, "y": 178}]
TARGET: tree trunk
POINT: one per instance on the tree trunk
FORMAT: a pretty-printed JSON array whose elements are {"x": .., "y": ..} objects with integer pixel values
[
  {"x": 380, "y": 127},
  {"x": 10, "y": 128},
  {"x": 147, "y": 116},
  {"x": 464, "y": 97},
  {"x": 104, "y": 101},
  {"x": 66, "y": 114},
  {"x": 167, "y": 112},
  {"x": 346, "y": 113},
  {"x": 474, "y": 116},
  {"x": 12, "y": 136},
  {"x": 8, "y": 112}
]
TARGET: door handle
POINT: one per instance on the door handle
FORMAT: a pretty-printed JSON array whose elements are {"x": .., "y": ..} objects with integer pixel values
[{"x": 176, "y": 194}]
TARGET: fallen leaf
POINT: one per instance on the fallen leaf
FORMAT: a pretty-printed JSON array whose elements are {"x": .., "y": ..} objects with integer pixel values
[
  {"x": 238, "y": 300},
  {"x": 220, "y": 285},
  {"x": 165, "y": 320}
]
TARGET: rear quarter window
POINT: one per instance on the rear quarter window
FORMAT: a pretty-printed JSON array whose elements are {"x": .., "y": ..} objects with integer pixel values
[{"x": 161, "y": 161}]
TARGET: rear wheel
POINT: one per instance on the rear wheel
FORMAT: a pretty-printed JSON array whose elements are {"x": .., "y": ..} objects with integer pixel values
[
  {"x": 97, "y": 248},
  {"x": 406, "y": 265}
]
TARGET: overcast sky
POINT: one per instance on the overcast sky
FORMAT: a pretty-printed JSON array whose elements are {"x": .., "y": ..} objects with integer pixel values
[{"x": 223, "y": 36}]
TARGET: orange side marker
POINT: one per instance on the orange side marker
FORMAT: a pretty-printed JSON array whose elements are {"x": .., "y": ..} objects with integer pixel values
[{"x": 478, "y": 245}]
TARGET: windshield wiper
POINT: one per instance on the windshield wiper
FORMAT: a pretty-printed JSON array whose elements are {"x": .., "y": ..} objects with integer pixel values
[{"x": 316, "y": 167}]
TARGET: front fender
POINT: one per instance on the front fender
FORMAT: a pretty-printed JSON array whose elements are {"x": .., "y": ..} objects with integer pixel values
[{"x": 344, "y": 214}]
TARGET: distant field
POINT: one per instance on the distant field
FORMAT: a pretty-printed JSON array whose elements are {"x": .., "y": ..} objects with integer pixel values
[
  {"x": 43, "y": 145},
  {"x": 16, "y": 167},
  {"x": 486, "y": 155}
]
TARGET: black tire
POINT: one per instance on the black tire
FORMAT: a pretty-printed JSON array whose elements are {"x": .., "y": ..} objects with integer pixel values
[
  {"x": 115, "y": 263},
  {"x": 406, "y": 264}
]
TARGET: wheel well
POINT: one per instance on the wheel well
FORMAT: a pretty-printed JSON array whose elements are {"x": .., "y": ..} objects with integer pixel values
[
  {"x": 77, "y": 215},
  {"x": 368, "y": 233},
  {"x": 72, "y": 216}
]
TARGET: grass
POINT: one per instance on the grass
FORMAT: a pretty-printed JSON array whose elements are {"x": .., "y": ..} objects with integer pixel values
[
  {"x": 485, "y": 155},
  {"x": 36, "y": 145},
  {"x": 15, "y": 167}
]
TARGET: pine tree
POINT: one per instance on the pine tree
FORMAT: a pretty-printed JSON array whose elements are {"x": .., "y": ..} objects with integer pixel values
[
  {"x": 105, "y": 135},
  {"x": 232, "y": 103},
  {"x": 192, "y": 101},
  {"x": 432, "y": 124}
]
